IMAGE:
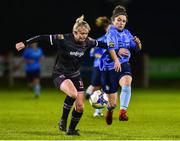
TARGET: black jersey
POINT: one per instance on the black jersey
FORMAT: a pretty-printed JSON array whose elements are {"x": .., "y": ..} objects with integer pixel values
[{"x": 69, "y": 52}]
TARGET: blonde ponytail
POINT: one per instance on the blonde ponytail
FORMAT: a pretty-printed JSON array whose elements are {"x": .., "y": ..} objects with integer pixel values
[
  {"x": 80, "y": 19},
  {"x": 80, "y": 22}
]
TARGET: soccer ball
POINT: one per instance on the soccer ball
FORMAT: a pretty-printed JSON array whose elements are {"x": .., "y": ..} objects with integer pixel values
[{"x": 98, "y": 99}]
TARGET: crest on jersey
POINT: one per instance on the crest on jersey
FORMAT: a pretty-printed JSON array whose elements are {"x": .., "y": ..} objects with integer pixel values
[
  {"x": 60, "y": 36},
  {"x": 111, "y": 44}
]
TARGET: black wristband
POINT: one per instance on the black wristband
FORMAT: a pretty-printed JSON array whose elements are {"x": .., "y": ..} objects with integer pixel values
[{"x": 25, "y": 43}]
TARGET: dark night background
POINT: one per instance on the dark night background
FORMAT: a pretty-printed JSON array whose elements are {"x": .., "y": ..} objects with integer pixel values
[{"x": 156, "y": 23}]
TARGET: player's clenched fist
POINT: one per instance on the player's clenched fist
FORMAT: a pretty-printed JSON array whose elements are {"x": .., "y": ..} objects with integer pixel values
[{"x": 20, "y": 46}]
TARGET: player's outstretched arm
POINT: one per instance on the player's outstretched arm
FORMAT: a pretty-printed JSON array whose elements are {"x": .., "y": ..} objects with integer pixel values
[
  {"x": 96, "y": 43},
  {"x": 23, "y": 44},
  {"x": 48, "y": 38}
]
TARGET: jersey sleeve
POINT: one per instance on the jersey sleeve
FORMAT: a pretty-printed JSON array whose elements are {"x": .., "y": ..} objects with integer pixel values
[
  {"x": 133, "y": 45},
  {"x": 95, "y": 43},
  {"x": 48, "y": 38},
  {"x": 111, "y": 40}
]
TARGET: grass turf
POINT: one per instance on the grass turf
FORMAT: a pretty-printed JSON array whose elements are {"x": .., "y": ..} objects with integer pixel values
[{"x": 154, "y": 114}]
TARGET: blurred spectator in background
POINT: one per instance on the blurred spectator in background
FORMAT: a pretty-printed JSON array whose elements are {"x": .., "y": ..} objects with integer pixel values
[
  {"x": 32, "y": 56},
  {"x": 4, "y": 63}
]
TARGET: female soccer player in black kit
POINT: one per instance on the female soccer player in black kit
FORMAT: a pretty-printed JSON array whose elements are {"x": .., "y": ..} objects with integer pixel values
[{"x": 66, "y": 71}]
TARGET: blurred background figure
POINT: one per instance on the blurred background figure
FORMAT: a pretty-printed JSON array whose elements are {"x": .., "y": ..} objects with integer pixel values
[
  {"x": 4, "y": 61},
  {"x": 32, "y": 56},
  {"x": 96, "y": 53},
  {"x": 6, "y": 67}
]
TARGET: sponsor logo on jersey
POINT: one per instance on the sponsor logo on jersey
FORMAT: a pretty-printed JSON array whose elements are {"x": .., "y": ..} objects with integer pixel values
[{"x": 79, "y": 54}]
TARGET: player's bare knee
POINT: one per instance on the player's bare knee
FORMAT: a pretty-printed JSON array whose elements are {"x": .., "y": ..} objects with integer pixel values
[
  {"x": 125, "y": 81},
  {"x": 80, "y": 108},
  {"x": 114, "y": 105},
  {"x": 72, "y": 93}
]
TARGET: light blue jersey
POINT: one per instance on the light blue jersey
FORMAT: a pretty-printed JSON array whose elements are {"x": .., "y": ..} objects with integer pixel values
[
  {"x": 115, "y": 40},
  {"x": 32, "y": 58},
  {"x": 97, "y": 52}
]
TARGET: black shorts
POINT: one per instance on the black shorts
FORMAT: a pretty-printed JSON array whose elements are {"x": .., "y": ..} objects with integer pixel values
[
  {"x": 31, "y": 75},
  {"x": 76, "y": 80}
]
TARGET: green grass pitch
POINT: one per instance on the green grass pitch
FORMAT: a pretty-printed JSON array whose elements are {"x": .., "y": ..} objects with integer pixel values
[{"x": 154, "y": 114}]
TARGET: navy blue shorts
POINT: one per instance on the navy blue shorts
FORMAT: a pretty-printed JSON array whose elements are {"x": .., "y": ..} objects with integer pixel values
[
  {"x": 76, "y": 79},
  {"x": 110, "y": 79},
  {"x": 31, "y": 75},
  {"x": 96, "y": 77}
]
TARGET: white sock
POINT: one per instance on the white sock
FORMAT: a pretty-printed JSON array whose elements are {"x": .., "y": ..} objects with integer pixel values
[
  {"x": 98, "y": 110},
  {"x": 89, "y": 90},
  {"x": 37, "y": 89}
]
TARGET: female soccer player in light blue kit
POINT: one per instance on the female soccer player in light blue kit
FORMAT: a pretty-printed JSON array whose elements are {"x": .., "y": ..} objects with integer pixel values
[
  {"x": 116, "y": 68},
  {"x": 32, "y": 57},
  {"x": 96, "y": 74},
  {"x": 96, "y": 53},
  {"x": 101, "y": 22}
]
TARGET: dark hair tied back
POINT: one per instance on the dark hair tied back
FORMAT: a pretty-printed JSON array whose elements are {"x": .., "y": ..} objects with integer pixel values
[{"x": 119, "y": 10}]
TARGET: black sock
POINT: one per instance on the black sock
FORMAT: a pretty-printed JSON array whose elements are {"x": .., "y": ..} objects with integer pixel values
[
  {"x": 76, "y": 116},
  {"x": 110, "y": 108},
  {"x": 68, "y": 103}
]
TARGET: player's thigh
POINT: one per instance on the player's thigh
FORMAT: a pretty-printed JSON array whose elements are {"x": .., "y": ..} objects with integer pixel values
[
  {"x": 65, "y": 84},
  {"x": 109, "y": 81},
  {"x": 68, "y": 87},
  {"x": 125, "y": 78}
]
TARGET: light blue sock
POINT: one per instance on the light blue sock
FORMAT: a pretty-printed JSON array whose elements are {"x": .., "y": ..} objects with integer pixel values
[
  {"x": 37, "y": 89},
  {"x": 125, "y": 97},
  {"x": 98, "y": 110}
]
